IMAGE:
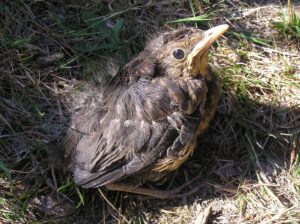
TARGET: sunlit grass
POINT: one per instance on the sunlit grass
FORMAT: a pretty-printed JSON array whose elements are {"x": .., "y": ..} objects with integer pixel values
[{"x": 289, "y": 26}]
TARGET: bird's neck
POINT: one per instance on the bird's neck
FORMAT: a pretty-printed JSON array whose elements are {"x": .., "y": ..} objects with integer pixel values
[
  {"x": 212, "y": 99},
  {"x": 204, "y": 68}
]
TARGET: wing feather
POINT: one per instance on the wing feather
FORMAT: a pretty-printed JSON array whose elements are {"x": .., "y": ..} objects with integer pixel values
[{"x": 140, "y": 124}]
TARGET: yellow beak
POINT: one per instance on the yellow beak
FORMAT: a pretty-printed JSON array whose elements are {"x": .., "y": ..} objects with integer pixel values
[{"x": 209, "y": 37}]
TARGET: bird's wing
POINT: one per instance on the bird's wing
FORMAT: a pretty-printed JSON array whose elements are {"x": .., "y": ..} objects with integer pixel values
[{"x": 140, "y": 124}]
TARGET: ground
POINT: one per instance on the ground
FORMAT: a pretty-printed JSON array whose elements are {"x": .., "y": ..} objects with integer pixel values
[{"x": 247, "y": 163}]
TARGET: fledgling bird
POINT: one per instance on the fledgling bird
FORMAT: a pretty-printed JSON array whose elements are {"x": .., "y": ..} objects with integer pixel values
[{"x": 144, "y": 122}]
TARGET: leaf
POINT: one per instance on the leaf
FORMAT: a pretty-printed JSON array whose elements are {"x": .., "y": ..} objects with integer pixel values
[
  {"x": 297, "y": 31},
  {"x": 117, "y": 28},
  {"x": 94, "y": 22},
  {"x": 256, "y": 40},
  {"x": 80, "y": 195},
  {"x": 66, "y": 187},
  {"x": 201, "y": 18},
  {"x": 89, "y": 16}
]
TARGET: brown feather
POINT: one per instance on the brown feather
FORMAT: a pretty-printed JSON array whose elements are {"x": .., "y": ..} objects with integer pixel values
[{"x": 144, "y": 121}]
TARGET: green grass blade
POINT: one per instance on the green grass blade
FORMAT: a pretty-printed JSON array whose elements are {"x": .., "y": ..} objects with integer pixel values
[{"x": 202, "y": 18}]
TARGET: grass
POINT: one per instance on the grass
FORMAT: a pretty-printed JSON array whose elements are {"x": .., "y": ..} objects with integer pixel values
[
  {"x": 289, "y": 25},
  {"x": 201, "y": 18},
  {"x": 249, "y": 157}
]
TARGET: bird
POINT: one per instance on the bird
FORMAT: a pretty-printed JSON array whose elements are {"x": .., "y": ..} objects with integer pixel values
[{"x": 143, "y": 122}]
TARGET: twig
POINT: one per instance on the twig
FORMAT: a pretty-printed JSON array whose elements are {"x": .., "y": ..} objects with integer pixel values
[
  {"x": 202, "y": 218},
  {"x": 111, "y": 205},
  {"x": 270, "y": 51}
]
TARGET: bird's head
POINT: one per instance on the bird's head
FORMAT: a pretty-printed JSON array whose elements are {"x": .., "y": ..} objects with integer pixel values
[{"x": 184, "y": 52}]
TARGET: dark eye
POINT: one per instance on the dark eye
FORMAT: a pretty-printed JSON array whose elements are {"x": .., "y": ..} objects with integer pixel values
[{"x": 178, "y": 53}]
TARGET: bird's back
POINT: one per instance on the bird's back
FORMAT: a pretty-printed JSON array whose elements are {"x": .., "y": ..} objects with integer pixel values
[{"x": 123, "y": 131}]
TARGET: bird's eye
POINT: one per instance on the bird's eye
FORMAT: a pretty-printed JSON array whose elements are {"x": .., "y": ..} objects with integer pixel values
[{"x": 178, "y": 54}]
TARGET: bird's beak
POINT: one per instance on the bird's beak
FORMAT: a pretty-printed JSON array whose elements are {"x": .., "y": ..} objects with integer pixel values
[{"x": 208, "y": 38}]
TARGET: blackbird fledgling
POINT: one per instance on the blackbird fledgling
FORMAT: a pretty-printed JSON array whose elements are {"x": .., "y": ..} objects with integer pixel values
[{"x": 144, "y": 121}]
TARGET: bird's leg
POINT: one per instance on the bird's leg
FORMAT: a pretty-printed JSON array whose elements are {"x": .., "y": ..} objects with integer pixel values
[
  {"x": 138, "y": 190},
  {"x": 161, "y": 194}
]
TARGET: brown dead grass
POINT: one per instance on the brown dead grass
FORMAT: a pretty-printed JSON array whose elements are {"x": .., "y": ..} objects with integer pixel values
[{"x": 249, "y": 157}]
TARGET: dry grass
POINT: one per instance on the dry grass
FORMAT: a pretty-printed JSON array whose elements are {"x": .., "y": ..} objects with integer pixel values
[{"x": 249, "y": 158}]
